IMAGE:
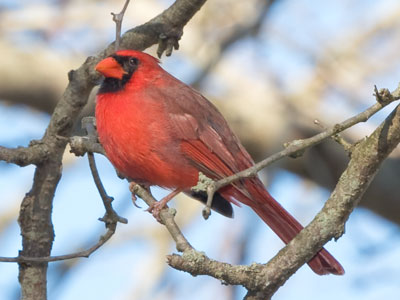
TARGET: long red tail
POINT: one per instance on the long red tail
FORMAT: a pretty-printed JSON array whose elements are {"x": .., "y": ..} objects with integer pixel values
[{"x": 281, "y": 222}]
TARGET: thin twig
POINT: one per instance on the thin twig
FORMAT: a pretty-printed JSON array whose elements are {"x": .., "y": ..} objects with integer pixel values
[
  {"x": 86, "y": 253},
  {"x": 338, "y": 138},
  {"x": 117, "y": 18},
  {"x": 110, "y": 217}
]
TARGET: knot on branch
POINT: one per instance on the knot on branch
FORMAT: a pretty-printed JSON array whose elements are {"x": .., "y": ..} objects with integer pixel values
[
  {"x": 203, "y": 183},
  {"x": 206, "y": 184},
  {"x": 111, "y": 218},
  {"x": 294, "y": 145},
  {"x": 383, "y": 96}
]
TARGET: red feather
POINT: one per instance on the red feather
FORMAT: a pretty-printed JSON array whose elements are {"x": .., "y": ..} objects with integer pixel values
[{"x": 157, "y": 130}]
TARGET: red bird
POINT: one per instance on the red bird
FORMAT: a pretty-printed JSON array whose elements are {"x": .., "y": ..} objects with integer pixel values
[{"x": 156, "y": 130}]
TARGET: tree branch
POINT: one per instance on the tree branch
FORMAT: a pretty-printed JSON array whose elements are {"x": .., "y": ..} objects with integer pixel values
[
  {"x": 297, "y": 147},
  {"x": 117, "y": 18},
  {"x": 111, "y": 217},
  {"x": 81, "y": 145},
  {"x": 23, "y": 156},
  {"x": 86, "y": 253}
]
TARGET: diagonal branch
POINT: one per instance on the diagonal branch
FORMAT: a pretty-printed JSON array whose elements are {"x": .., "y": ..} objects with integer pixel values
[
  {"x": 329, "y": 223},
  {"x": 297, "y": 147}
]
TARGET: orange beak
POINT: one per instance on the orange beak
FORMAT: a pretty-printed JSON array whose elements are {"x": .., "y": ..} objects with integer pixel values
[{"x": 109, "y": 67}]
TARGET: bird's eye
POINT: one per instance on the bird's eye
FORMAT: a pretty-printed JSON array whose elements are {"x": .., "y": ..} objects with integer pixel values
[{"x": 133, "y": 61}]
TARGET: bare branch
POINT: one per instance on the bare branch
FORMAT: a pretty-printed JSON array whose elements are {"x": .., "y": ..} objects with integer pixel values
[
  {"x": 81, "y": 145},
  {"x": 197, "y": 263},
  {"x": 338, "y": 138},
  {"x": 103, "y": 239},
  {"x": 110, "y": 217},
  {"x": 329, "y": 223},
  {"x": 23, "y": 156},
  {"x": 297, "y": 147},
  {"x": 89, "y": 143},
  {"x": 117, "y": 18}
]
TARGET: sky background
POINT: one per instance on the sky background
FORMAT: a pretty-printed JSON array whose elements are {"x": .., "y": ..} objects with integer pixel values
[{"x": 369, "y": 251}]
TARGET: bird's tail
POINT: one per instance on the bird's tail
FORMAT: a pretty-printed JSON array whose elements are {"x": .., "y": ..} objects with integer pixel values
[{"x": 282, "y": 223}]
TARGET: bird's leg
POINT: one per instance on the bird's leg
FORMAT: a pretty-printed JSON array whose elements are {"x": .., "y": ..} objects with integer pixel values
[{"x": 156, "y": 208}]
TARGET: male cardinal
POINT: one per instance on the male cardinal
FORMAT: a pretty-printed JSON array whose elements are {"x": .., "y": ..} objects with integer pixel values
[{"x": 156, "y": 130}]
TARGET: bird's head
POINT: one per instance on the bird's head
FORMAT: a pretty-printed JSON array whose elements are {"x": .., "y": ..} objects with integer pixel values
[{"x": 119, "y": 68}]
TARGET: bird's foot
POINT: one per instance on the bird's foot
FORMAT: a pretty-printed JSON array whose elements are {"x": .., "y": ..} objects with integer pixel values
[{"x": 156, "y": 208}]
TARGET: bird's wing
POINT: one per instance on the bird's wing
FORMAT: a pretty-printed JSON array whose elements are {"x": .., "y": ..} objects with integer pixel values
[{"x": 205, "y": 137}]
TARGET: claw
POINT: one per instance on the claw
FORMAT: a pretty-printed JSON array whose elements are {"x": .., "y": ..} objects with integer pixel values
[
  {"x": 134, "y": 199},
  {"x": 133, "y": 195}
]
